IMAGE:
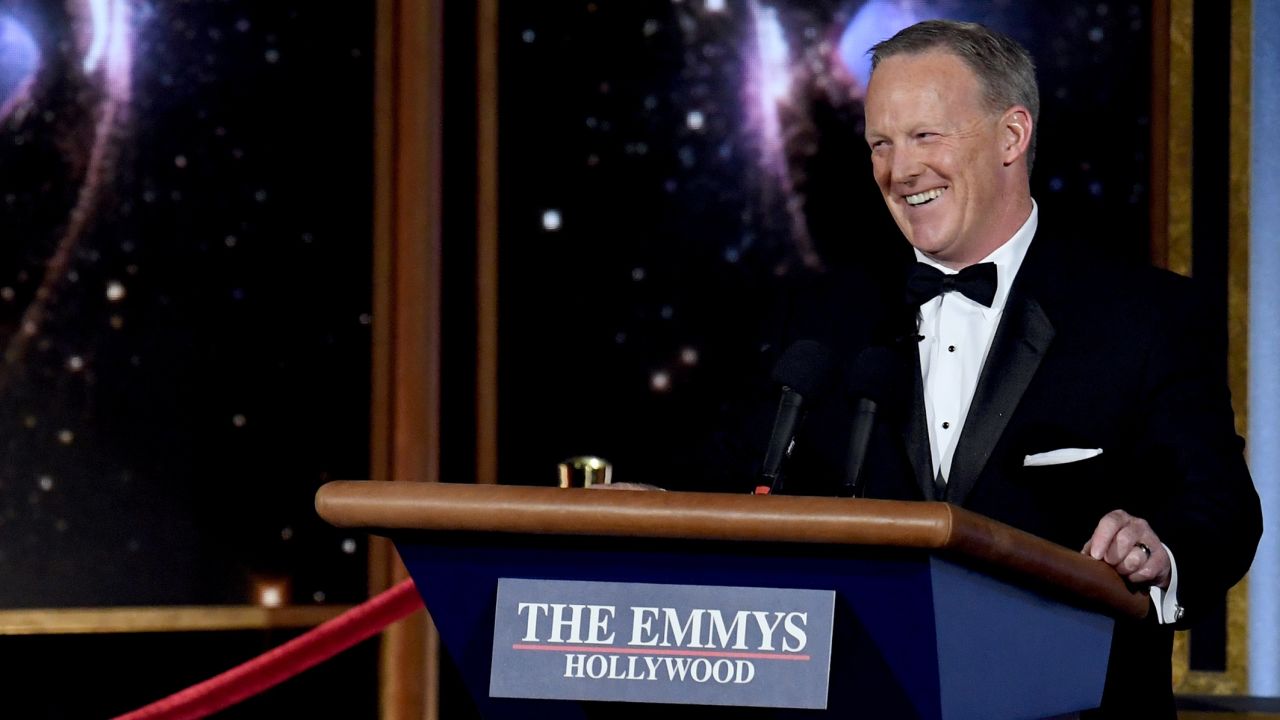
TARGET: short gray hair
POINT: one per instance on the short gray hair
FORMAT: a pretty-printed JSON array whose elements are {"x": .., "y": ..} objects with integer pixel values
[{"x": 1003, "y": 67}]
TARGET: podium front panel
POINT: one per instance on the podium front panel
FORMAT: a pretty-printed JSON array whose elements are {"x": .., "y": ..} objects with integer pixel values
[{"x": 912, "y": 634}]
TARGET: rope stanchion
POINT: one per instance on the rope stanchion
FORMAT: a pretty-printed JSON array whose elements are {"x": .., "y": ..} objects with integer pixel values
[{"x": 281, "y": 663}]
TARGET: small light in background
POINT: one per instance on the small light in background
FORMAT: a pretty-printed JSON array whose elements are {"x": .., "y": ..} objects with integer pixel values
[
  {"x": 271, "y": 593},
  {"x": 660, "y": 381},
  {"x": 551, "y": 220}
]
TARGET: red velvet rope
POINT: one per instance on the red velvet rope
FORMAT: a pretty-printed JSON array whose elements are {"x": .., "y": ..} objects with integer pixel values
[{"x": 279, "y": 664}]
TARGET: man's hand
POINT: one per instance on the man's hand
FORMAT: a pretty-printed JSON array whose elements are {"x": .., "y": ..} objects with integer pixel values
[{"x": 1120, "y": 539}]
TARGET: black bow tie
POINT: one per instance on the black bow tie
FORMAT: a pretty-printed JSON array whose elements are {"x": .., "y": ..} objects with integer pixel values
[{"x": 976, "y": 282}]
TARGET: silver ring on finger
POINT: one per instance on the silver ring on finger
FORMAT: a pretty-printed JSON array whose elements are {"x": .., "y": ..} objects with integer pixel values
[{"x": 1146, "y": 550}]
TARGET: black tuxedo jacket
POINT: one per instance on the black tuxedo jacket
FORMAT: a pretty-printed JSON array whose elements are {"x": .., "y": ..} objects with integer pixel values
[{"x": 1085, "y": 356}]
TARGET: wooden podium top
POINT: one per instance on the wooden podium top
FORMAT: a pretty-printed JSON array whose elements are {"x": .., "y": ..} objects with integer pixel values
[{"x": 392, "y": 507}]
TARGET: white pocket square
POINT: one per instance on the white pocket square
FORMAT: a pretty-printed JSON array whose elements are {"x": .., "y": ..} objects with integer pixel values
[{"x": 1060, "y": 457}]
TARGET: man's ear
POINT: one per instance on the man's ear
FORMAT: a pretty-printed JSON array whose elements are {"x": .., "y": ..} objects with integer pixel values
[{"x": 1015, "y": 128}]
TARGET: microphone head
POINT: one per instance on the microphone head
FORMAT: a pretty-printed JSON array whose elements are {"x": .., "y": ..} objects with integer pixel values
[
  {"x": 805, "y": 367},
  {"x": 874, "y": 376}
]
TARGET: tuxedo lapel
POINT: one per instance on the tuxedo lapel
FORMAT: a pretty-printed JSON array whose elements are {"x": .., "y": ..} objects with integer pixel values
[
  {"x": 915, "y": 434},
  {"x": 1020, "y": 342}
]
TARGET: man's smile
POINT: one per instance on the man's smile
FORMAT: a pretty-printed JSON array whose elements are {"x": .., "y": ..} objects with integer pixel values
[{"x": 923, "y": 197}]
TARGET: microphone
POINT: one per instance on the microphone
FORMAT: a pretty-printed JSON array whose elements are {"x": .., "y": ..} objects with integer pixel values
[
  {"x": 871, "y": 380},
  {"x": 803, "y": 370}
]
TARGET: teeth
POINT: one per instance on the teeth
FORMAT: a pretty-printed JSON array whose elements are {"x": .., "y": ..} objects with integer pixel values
[{"x": 924, "y": 197}]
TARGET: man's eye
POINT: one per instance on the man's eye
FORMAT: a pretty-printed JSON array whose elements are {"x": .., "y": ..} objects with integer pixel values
[{"x": 926, "y": 135}]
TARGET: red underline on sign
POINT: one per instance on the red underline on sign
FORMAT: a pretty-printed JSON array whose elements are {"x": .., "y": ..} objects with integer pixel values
[{"x": 601, "y": 650}]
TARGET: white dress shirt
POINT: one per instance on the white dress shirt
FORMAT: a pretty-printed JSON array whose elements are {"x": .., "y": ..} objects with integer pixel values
[{"x": 957, "y": 336}]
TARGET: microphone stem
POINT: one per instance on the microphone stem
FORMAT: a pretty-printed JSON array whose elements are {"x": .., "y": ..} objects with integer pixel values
[
  {"x": 784, "y": 428},
  {"x": 863, "y": 418}
]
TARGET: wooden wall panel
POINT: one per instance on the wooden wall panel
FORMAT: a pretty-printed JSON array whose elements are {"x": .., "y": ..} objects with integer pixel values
[{"x": 406, "y": 382}]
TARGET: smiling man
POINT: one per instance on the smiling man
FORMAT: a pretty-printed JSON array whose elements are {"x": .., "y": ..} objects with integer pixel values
[
  {"x": 1071, "y": 398},
  {"x": 951, "y": 166}
]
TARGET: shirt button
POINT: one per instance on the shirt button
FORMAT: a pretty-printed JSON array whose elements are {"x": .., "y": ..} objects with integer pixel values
[
  {"x": 951, "y": 348},
  {"x": 946, "y": 426}
]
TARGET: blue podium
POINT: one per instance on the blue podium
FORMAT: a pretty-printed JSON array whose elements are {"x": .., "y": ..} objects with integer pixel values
[{"x": 939, "y": 613}]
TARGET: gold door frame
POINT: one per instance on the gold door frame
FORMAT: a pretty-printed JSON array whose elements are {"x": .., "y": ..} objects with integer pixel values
[{"x": 1172, "y": 214}]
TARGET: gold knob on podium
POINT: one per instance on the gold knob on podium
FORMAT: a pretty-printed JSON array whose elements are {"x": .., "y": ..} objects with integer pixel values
[{"x": 585, "y": 471}]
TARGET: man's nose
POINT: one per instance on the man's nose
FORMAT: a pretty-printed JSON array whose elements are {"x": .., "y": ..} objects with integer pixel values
[{"x": 905, "y": 165}]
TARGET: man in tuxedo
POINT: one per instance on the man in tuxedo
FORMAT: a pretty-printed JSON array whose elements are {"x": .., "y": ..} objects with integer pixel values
[{"x": 1078, "y": 400}]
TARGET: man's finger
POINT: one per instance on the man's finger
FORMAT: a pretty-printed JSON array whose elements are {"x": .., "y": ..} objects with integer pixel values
[
  {"x": 1134, "y": 559},
  {"x": 1123, "y": 544},
  {"x": 1145, "y": 573},
  {"x": 1105, "y": 533},
  {"x": 1156, "y": 569}
]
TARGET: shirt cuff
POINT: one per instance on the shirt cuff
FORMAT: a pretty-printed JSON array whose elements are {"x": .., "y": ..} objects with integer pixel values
[{"x": 1168, "y": 611}]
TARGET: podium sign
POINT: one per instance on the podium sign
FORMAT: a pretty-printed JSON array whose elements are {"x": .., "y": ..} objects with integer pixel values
[{"x": 661, "y": 643}]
